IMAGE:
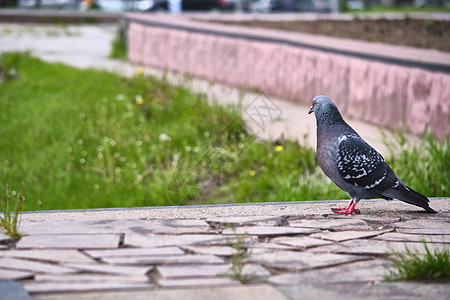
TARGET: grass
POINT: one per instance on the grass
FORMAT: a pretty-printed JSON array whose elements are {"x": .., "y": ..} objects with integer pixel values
[
  {"x": 11, "y": 206},
  {"x": 401, "y": 9},
  {"x": 424, "y": 167},
  {"x": 414, "y": 266},
  {"x": 119, "y": 46},
  {"x": 93, "y": 139}
]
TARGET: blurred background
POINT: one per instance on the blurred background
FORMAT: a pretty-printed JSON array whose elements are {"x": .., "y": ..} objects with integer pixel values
[{"x": 260, "y": 6}]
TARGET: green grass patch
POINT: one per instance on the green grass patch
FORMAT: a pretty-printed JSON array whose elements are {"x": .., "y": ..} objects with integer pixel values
[
  {"x": 118, "y": 49},
  {"x": 415, "y": 266},
  {"x": 88, "y": 138},
  {"x": 402, "y": 9},
  {"x": 424, "y": 167},
  {"x": 92, "y": 139},
  {"x": 11, "y": 206},
  {"x": 119, "y": 46}
]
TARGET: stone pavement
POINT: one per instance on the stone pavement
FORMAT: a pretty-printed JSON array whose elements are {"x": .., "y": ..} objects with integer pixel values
[{"x": 295, "y": 250}]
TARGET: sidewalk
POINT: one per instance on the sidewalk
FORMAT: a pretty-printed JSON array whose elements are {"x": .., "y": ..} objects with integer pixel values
[{"x": 295, "y": 250}]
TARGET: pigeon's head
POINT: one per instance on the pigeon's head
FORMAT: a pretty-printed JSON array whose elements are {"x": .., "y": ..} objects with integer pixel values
[
  {"x": 319, "y": 103},
  {"x": 325, "y": 110}
]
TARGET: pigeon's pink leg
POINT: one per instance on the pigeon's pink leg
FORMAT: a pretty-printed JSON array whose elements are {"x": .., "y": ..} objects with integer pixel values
[{"x": 347, "y": 210}]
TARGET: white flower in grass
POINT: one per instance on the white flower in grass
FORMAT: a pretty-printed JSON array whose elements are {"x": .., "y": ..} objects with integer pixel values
[{"x": 164, "y": 137}]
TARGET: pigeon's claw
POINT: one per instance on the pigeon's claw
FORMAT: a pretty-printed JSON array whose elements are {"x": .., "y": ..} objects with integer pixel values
[{"x": 347, "y": 210}]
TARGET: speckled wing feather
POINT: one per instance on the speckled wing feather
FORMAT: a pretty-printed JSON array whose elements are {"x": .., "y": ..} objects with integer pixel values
[{"x": 359, "y": 164}]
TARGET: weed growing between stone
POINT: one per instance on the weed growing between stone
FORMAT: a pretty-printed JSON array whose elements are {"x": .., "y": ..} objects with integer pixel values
[
  {"x": 239, "y": 261},
  {"x": 414, "y": 266},
  {"x": 11, "y": 206}
]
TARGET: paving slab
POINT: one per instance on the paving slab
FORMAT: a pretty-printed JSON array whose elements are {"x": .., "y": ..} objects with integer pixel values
[
  {"x": 232, "y": 239},
  {"x": 339, "y": 236},
  {"x": 268, "y": 230},
  {"x": 199, "y": 271},
  {"x": 211, "y": 250},
  {"x": 49, "y": 255},
  {"x": 185, "y": 223},
  {"x": 255, "y": 272},
  {"x": 244, "y": 220},
  {"x": 196, "y": 282},
  {"x": 297, "y": 261},
  {"x": 69, "y": 227},
  {"x": 109, "y": 269},
  {"x": 91, "y": 278},
  {"x": 442, "y": 216},
  {"x": 163, "y": 260},
  {"x": 357, "y": 291},
  {"x": 401, "y": 237},
  {"x": 187, "y": 226},
  {"x": 69, "y": 241},
  {"x": 33, "y": 266},
  {"x": 361, "y": 271},
  {"x": 195, "y": 270},
  {"x": 423, "y": 223},
  {"x": 116, "y": 226},
  {"x": 159, "y": 240},
  {"x": 374, "y": 247},
  {"x": 270, "y": 247},
  {"x": 15, "y": 275},
  {"x": 337, "y": 224},
  {"x": 377, "y": 219},
  {"x": 62, "y": 287},
  {"x": 300, "y": 243},
  {"x": 13, "y": 290},
  {"x": 121, "y": 252},
  {"x": 241, "y": 292},
  {"x": 427, "y": 231},
  {"x": 261, "y": 250},
  {"x": 4, "y": 239}
]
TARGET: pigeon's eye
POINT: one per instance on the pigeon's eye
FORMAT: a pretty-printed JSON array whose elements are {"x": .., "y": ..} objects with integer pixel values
[{"x": 315, "y": 102}]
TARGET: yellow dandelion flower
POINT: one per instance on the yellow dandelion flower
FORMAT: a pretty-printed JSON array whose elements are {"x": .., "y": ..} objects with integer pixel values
[
  {"x": 252, "y": 173},
  {"x": 139, "y": 100},
  {"x": 278, "y": 148},
  {"x": 139, "y": 71}
]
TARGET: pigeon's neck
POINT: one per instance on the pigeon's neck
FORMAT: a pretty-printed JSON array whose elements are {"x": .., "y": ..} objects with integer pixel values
[{"x": 329, "y": 116}]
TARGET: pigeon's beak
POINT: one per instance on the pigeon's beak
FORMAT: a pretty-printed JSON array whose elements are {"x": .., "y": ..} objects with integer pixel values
[{"x": 310, "y": 110}]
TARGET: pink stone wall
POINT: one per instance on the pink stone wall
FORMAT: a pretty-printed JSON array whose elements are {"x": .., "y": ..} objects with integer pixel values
[{"x": 384, "y": 94}]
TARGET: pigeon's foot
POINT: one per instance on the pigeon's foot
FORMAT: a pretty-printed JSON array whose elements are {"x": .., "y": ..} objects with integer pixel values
[{"x": 347, "y": 210}]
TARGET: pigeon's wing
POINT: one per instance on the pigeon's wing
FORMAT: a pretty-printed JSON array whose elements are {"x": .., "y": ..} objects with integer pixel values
[{"x": 359, "y": 164}]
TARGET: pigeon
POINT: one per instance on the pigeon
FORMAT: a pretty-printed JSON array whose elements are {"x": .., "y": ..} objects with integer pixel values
[{"x": 353, "y": 165}]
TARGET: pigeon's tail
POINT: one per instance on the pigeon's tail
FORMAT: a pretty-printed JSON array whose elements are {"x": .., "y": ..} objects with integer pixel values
[{"x": 408, "y": 195}]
